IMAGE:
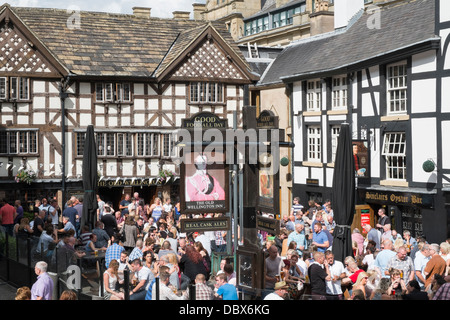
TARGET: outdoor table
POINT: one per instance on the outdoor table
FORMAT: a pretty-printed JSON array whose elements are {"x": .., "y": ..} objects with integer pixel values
[{"x": 92, "y": 259}]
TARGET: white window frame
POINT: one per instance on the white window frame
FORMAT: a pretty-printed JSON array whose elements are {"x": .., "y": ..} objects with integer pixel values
[
  {"x": 397, "y": 88},
  {"x": 15, "y": 88},
  {"x": 168, "y": 143},
  {"x": 148, "y": 144},
  {"x": 314, "y": 95},
  {"x": 339, "y": 93},
  {"x": 394, "y": 150},
  {"x": 314, "y": 142},
  {"x": 19, "y": 142},
  {"x": 335, "y": 131},
  {"x": 125, "y": 144},
  {"x": 206, "y": 92},
  {"x": 80, "y": 140},
  {"x": 112, "y": 92}
]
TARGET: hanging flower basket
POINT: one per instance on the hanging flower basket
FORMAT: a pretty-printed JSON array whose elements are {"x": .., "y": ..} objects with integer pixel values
[
  {"x": 25, "y": 175},
  {"x": 164, "y": 176}
]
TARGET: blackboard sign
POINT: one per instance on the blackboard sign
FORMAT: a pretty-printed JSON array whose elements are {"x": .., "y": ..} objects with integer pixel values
[
  {"x": 205, "y": 224},
  {"x": 204, "y": 120}
]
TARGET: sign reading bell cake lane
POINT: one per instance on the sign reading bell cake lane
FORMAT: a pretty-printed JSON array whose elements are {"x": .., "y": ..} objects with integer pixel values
[{"x": 204, "y": 177}]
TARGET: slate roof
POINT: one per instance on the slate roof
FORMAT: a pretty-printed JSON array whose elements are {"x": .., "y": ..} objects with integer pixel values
[
  {"x": 403, "y": 25},
  {"x": 109, "y": 44}
]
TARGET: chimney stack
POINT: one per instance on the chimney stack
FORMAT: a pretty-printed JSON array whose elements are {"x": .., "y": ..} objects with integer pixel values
[
  {"x": 199, "y": 8},
  {"x": 181, "y": 15},
  {"x": 142, "y": 12}
]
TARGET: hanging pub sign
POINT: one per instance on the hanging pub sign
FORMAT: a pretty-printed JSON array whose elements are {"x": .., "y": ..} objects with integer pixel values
[
  {"x": 267, "y": 120},
  {"x": 268, "y": 224},
  {"x": 361, "y": 158},
  {"x": 204, "y": 120},
  {"x": 267, "y": 200},
  {"x": 206, "y": 224}
]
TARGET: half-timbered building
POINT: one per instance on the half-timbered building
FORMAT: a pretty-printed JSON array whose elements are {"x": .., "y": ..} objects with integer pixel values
[
  {"x": 386, "y": 72},
  {"x": 132, "y": 76}
]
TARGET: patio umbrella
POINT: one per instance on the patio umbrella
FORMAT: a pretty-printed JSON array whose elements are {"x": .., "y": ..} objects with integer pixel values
[
  {"x": 343, "y": 199},
  {"x": 90, "y": 178}
]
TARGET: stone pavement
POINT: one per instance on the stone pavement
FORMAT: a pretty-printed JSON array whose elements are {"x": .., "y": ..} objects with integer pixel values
[{"x": 7, "y": 291}]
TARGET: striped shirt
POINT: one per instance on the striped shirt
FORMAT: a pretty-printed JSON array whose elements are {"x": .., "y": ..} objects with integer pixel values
[{"x": 296, "y": 208}]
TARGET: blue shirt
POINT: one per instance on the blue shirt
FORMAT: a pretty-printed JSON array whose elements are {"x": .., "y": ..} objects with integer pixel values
[
  {"x": 228, "y": 292},
  {"x": 157, "y": 212},
  {"x": 382, "y": 260},
  {"x": 299, "y": 238},
  {"x": 69, "y": 226},
  {"x": 71, "y": 212},
  {"x": 320, "y": 238}
]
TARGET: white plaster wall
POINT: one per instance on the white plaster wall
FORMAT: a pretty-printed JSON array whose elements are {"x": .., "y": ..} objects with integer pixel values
[
  {"x": 423, "y": 96},
  {"x": 444, "y": 10},
  {"x": 424, "y": 62},
  {"x": 300, "y": 175},
  {"x": 298, "y": 138},
  {"x": 424, "y": 146},
  {"x": 445, "y": 148},
  {"x": 297, "y": 97},
  {"x": 445, "y": 99}
]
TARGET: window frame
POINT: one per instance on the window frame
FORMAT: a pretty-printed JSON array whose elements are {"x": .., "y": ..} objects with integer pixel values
[
  {"x": 334, "y": 140},
  {"x": 19, "y": 142},
  {"x": 113, "y": 92},
  {"x": 394, "y": 152},
  {"x": 12, "y": 88},
  {"x": 314, "y": 95},
  {"x": 339, "y": 92},
  {"x": 314, "y": 154},
  {"x": 200, "y": 92},
  {"x": 146, "y": 148},
  {"x": 401, "y": 91}
]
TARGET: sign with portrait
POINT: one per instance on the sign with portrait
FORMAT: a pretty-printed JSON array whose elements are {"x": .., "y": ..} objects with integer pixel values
[
  {"x": 204, "y": 183},
  {"x": 361, "y": 158},
  {"x": 268, "y": 186}
]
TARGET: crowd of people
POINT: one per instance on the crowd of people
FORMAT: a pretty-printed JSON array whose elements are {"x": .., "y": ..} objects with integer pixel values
[
  {"x": 143, "y": 239},
  {"x": 299, "y": 263},
  {"x": 384, "y": 265}
]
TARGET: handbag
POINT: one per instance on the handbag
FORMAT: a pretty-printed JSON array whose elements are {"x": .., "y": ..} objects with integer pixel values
[{"x": 206, "y": 265}]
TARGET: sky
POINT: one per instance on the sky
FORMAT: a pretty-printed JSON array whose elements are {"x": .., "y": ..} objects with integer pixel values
[{"x": 160, "y": 8}]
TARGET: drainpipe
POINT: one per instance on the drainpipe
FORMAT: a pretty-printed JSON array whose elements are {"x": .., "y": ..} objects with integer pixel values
[{"x": 63, "y": 95}]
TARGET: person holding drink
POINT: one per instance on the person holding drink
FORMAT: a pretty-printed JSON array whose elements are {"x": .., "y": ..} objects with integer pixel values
[{"x": 110, "y": 279}]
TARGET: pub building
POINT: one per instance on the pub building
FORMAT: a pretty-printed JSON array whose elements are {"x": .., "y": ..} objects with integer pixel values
[
  {"x": 390, "y": 87},
  {"x": 132, "y": 76}
]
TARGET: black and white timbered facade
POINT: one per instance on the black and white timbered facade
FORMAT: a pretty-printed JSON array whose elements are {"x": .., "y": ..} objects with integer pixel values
[
  {"x": 391, "y": 82},
  {"x": 133, "y": 78}
]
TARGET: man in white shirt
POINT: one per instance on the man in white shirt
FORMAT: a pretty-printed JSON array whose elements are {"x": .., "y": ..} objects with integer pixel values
[
  {"x": 205, "y": 241},
  {"x": 167, "y": 206},
  {"x": 279, "y": 293},
  {"x": 165, "y": 293},
  {"x": 420, "y": 261},
  {"x": 337, "y": 270},
  {"x": 142, "y": 275}
]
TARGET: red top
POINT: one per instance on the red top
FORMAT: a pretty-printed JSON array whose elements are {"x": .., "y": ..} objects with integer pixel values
[
  {"x": 7, "y": 213},
  {"x": 354, "y": 276}
]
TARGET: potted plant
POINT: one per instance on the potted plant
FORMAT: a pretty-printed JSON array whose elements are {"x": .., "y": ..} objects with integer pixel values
[
  {"x": 25, "y": 175},
  {"x": 164, "y": 176}
]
